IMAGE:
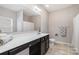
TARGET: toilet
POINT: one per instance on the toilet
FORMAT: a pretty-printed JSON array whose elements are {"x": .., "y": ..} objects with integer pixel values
[{"x": 52, "y": 41}]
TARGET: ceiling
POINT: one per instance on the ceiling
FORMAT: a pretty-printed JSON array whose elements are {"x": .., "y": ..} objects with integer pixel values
[
  {"x": 28, "y": 8},
  {"x": 55, "y": 7}
]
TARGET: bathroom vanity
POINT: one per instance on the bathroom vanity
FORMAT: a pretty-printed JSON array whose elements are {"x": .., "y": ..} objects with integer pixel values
[
  {"x": 37, "y": 45},
  {"x": 40, "y": 46}
]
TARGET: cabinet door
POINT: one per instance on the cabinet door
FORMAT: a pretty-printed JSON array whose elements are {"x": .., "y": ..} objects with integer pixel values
[
  {"x": 4, "y": 53},
  {"x": 18, "y": 49},
  {"x": 42, "y": 46},
  {"x": 35, "y": 49},
  {"x": 24, "y": 52},
  {"x": 46, "y": 43}
]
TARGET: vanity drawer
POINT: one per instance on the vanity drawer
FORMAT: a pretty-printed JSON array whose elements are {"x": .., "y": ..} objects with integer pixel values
[
  {"x": 34, "y": 42},
  {"x": 4, "y": 53},
  {"x": 18, "y": 49},
  {"x": 24, "y": 52},
  {"x": 34, "y": 48}
]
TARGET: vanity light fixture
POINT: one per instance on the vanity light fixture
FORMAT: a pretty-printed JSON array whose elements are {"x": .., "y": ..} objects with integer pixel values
[{"x": 37, "y": 9}]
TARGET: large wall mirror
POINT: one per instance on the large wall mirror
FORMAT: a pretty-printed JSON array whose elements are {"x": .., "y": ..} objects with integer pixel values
[{"x": 6, "y": 24}]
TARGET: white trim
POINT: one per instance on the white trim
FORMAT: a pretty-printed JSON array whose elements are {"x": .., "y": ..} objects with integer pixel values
[
  {"x": 68, "y": 44},
  {"x": 62, "y": 42}
]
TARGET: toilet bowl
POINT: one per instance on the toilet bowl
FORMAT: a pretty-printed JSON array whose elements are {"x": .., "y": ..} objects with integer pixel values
[{"x": 52, "y": 41}]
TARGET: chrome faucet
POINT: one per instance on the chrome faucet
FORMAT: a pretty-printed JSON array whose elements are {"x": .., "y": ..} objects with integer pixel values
[{"x": 39, "y": 30}]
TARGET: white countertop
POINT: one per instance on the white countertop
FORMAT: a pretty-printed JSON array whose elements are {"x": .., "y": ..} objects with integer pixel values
[{"x": 20, "y": 39}]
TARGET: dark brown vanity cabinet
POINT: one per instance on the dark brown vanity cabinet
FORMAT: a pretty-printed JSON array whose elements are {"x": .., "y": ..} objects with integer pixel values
[
  {"x": 36, "y": 47},
  {"x": 4, "y": 53},
  {"x": 18, "y": 49},
  {"x": 41, "y": 47},
  {"x": 46, "y": 43}
]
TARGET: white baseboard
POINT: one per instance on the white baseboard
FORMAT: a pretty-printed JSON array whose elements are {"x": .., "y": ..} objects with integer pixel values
[{"x": 62, "y": 42}]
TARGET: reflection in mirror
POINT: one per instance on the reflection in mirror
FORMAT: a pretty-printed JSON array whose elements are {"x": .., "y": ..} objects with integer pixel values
[{"x": 6, "y": 24}]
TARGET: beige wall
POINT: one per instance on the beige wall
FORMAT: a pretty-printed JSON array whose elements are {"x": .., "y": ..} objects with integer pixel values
[
  {"x": 8, "y": 13},
  {"x": 36, "y": 21},
  {"x": 26, "y": 18},
  {"x": 60, "y": 18}
]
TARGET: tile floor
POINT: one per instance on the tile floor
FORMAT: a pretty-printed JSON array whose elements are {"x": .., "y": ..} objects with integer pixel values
[{"x": 60, "y": 49}]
